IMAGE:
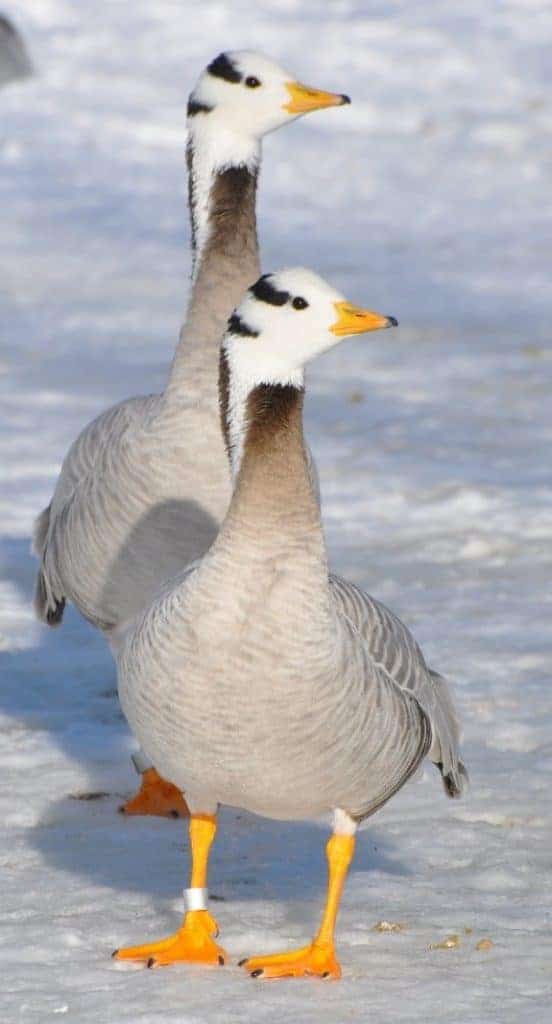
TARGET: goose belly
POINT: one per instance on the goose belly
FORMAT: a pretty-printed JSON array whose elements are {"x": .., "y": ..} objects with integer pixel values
[
  {"x": 285, "y": 751},
  {"x": 230, "y": 760}
]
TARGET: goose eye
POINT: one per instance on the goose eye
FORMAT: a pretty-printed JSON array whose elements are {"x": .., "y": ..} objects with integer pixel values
[
  {"x": 252, "y": 82},
  {"x": 299, "y": 303}
]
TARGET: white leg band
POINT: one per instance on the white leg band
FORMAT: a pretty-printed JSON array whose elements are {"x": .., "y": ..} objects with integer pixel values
[
  {"x": 195, "y": 899},
  {"x": 141, "y": 761}
]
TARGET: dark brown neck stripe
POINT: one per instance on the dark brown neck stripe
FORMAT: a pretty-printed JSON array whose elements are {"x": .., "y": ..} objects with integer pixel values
[
  {"x": 232, "y": 205},
  {"x": 272, "y": 410},
  {"x": 224, "y": 398},
  {"x": 191, "y": 192}
]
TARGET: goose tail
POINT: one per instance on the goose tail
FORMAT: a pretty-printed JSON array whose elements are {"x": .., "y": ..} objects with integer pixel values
[
  {"x": 48, "y": 606},
  {"x": 445, "y": 749},
  {"x": 40, "y": 532}
]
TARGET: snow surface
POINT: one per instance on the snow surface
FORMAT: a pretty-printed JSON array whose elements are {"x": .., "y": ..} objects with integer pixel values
[{"x": 428, "y": 198}]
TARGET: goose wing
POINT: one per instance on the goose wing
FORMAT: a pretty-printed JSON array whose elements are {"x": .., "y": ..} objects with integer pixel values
[
  {"x": 393, "y": 648},
  {"x": 79, "y": 495}
]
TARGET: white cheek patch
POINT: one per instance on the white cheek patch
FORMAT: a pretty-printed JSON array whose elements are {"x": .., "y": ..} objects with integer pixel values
[{"x": 236, "y": 422}]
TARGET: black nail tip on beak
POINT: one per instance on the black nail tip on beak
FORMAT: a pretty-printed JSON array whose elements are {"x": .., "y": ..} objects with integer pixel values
[
  {"x": 392, "y": 321},
  {"x": 345, "y": 99}
]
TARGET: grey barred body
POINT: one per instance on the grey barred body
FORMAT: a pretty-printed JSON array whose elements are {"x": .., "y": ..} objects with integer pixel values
[
  {"x": 123, "y": 518},
  {"x": 260, "y": 681},
  {"x": 392, "y": 646}
]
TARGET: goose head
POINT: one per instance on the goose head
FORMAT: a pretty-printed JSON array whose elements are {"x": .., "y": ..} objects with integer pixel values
[
  {"x": 287, "y": 319},
  {"x": 248, "y": 94}
]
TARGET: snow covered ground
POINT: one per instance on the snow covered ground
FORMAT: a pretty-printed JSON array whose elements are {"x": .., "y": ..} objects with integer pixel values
[{"x": 428, "y": 198}]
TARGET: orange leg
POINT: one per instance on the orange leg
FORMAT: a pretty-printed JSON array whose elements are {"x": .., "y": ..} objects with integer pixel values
[
  {"x": 156, "y": 796},
  {"x": 194, "y": 940},
  {"x": 319, "y": 957}
]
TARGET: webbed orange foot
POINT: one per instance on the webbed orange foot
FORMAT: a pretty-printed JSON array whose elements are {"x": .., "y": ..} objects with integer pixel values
[
  {"x": 316, "y": 960},
  {"x": 157, "y": 797},
  {"x": 193, "y": 943}
]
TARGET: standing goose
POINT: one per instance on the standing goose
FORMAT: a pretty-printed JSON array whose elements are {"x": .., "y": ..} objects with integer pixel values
[
  {"x": 143, "y": 488},
  {"x": 259, "y": 680}
]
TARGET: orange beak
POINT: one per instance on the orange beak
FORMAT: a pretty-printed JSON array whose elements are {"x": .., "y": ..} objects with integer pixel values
[
  {"x": 304, "y": 99},
  {"x": 355, "y": 320}
]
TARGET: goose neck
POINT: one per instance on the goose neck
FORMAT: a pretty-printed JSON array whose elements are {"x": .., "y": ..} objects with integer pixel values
[
  {"x": 263, "y": 431},
  {"x": 222, "y": 188}
]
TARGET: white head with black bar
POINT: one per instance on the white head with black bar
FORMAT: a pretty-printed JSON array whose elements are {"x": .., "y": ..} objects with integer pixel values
[
  {"x": 285, "y": 320},
  {"x": 239, "y": 98},
  {"x": 243, "y": 95}
]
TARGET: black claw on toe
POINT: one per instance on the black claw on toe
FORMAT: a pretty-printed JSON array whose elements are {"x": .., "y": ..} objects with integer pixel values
[
  {"x": 121, "y": 809},
  {"x": 326, "y": 974},
  {"x": 150, "y": 962},
  {"x": 257, "y": 973},
  {"x": 240, "y": 962},
  {"x": 221, "y": 961},
  {"x": 114, "y": 954},
  {"x": 174, "y": 814}
]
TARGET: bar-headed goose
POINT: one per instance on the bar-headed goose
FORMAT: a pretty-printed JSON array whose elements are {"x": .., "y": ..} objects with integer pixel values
[
  {"x": 258, "y": 679},
  {"x": 143, "y": 488}
]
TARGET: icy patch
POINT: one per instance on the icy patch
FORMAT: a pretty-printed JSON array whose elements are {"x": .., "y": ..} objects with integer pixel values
[
  {"x": 18, "y": 627},
  {"x": 517, "y": 737}
]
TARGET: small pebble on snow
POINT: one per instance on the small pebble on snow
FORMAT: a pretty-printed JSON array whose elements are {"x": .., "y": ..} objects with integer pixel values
[
  {"x": 389, "y": 926},
  {"x": 452, "y": 942}
]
